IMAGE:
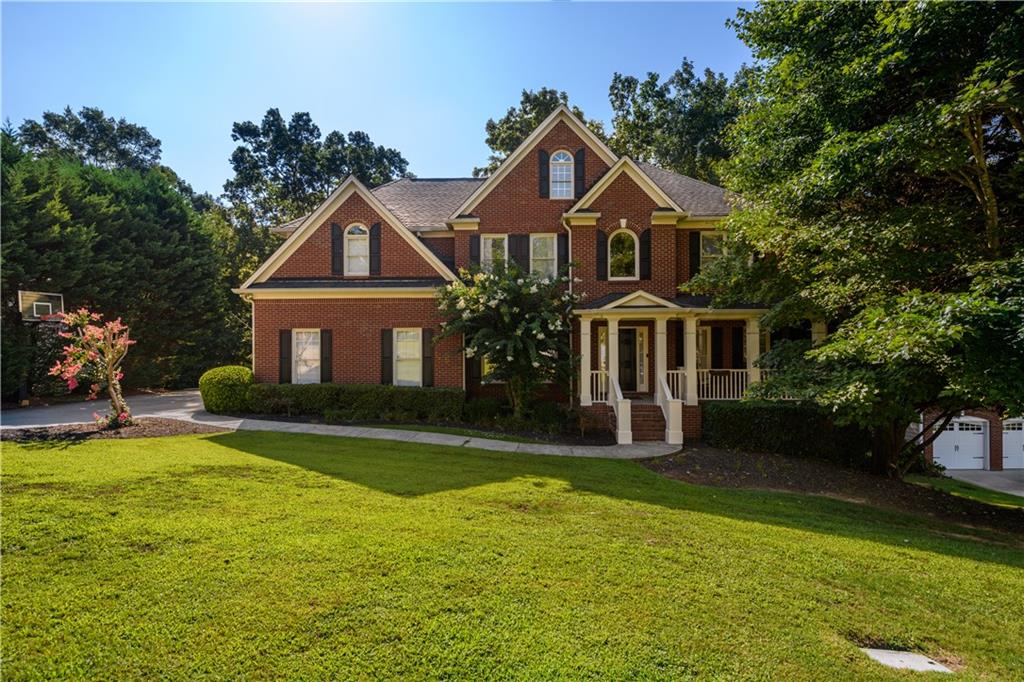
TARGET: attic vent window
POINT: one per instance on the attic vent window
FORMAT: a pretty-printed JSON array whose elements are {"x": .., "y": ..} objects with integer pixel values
[{"x": 561, "y": 175}]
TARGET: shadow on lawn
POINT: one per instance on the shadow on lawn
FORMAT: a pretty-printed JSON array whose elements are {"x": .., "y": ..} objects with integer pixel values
[{"x": 413, "y": 469}]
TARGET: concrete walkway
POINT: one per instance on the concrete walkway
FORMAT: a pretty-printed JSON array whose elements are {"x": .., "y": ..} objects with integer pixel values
[
  {"x": 1007, "y": 481},
  {"x": 188, "y": 406}
]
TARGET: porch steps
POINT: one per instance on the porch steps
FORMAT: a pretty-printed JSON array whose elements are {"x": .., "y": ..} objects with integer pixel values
[{"x": 648, "y": 422}]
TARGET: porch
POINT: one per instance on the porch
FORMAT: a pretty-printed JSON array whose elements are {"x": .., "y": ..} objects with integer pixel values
[{"x": 644, "y": 350}]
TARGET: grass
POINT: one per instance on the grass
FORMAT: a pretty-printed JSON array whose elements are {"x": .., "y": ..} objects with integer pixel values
[
  {"x": 458, "y": 431},
  {"x": 968, "y": 490},
  {"x": 260, "y": 555}
]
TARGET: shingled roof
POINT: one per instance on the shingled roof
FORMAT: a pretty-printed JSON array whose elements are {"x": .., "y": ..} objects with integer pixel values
[
  {"x": 424, "y": 204},
  {"x": 696, "y": 197}
]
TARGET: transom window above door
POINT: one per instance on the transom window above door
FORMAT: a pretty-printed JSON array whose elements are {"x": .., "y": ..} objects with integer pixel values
[
  {"x": 561, "y": 175},
  {"x": 357, "y": 250},
  {"x": 493, "y": 250},
  {"x": 543, "y": 255}
]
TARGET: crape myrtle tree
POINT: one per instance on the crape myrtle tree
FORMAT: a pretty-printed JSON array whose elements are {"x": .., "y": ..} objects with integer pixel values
[
  {"x": 878, "y": 157},
  {"x": 519, "y": 322}
]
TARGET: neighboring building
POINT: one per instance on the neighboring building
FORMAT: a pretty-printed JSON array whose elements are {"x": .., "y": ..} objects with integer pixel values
[
  {"x": 350, "y": 296},
  {"x": 979, "y": 439}
]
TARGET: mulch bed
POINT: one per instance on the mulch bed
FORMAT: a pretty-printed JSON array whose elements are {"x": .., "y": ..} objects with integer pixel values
[
  {"x": 145, "y": 427},
  {"x": 705, "y": 465}
]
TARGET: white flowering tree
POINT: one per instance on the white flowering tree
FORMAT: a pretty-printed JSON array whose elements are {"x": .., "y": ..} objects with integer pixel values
[{"x": 520, "y": 323}]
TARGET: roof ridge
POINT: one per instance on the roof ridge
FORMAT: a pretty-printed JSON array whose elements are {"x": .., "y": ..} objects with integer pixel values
[{"x": 688, "y": 177}]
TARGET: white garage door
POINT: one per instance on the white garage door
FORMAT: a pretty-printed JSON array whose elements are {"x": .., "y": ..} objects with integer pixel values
[
  {"x": 961, "y": 445},
  {"x": 1013, "y": 444}
]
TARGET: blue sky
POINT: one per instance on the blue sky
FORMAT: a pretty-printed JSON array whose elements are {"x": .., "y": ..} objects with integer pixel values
[{"x": 421, "y": 78}]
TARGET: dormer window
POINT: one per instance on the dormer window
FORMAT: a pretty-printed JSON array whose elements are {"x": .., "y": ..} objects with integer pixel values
[
  {"x": 561, "y": 175},
  {"x": 357, "y": 250},
  {"x": 623, "y": 255}
]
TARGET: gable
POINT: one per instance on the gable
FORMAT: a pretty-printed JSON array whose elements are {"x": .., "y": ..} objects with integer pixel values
[
  {"x": 625, "y": 170},
  {"x": 370, "y": 208},
  {"x": 568, "y": 133}
]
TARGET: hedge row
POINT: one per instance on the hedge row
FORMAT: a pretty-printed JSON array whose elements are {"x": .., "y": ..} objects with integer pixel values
[
  {"x": 357, "y": 402},
  {"x": 785, "y": 428}
]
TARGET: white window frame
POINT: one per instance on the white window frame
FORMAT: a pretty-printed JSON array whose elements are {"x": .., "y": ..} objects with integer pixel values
[
  {"x": 636, "y": 256},
  {"x": 395, "y": 355},
  {"x": 571, "y": 165},
  {"x": 295, "y": 355},
  {"x": 348, "y": 239},
  {"x": 487, "y": 263},
  {"x": 711, "y": 233},
  {"x": 35, "y": 309},
  {"x": 553, "y": 238},
  {"x": 484, "y": 361}
]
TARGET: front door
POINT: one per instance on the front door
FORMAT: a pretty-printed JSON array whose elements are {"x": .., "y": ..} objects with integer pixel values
[{"x": 627, "y": 359}]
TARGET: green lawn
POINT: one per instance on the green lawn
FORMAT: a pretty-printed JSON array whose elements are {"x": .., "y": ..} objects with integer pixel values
[
  {"x": 969, "y": 490},
  {"x": 259, "y": 556},
  {"x": 459, "y": 431}
]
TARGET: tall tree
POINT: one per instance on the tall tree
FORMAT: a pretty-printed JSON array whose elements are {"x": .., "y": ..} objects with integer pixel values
[
  {"x": 879, "y": 160},
  {"x": 284, "y": 169},
  {"x": 678, "y": 124},
  {"x": 509, "y": 131},
  {"x": 92, "y": 138}
]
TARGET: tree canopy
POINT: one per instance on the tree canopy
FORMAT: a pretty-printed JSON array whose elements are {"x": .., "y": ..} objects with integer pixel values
[
  {"x": 285, "y": 169},
  {"x": 678, "y": 124},
  {"x": 92, "y": 138},
  {"x": 509, "y": 131},
  {"x": 879, "y": 161}
]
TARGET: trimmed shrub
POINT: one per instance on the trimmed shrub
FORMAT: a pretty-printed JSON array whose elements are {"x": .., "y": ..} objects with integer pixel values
[
  {"x": 226, "y": 389},
  {"x": 785, "y": 428},
  {"x": 358, "y": 402},
  {"x": 483, "y": 410}
]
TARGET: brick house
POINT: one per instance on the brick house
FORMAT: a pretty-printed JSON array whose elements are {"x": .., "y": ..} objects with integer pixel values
[{"x": 350, "y": 295}]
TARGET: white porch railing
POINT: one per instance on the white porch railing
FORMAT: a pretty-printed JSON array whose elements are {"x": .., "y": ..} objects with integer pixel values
[
  {"x": 722, "y": 384},
  {"x": 672, "y": 409},
  {"x": 623, "y": 414},
  {"x": 676, "y": 383},
  {"x": 599, "y": 386}
]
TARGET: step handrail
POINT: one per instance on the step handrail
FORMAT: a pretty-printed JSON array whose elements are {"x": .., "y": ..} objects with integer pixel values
[
  {"x": 672, "y": 409},
  {"x": 623, "y": 412}
]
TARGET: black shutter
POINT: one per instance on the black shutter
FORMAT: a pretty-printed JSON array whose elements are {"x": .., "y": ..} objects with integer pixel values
[
  {"x": 738, "y": 357},
  {"x": 428, "y": 357},
  {"x": 602, "y": 255},
  {"x": 579, "y": 172},
  {"x": 337, "y": 250},
  {"x": 717, "y": 348},
  {"x": 474, "y": 367},
  {"x": 375, "y": 249},
  {"x": 645, "y": 254},
  {"x": 543, "y": 173},
  {"x": 284, "y": 357},
  {"x": 326, "y": 356},
  {"x": 563, "y": 252},
  {"x": 680, "y": 343},
  {"x": 694, "y": 253},
  {"x": 474, "y": 249},
  {"x": 519, "y": 250},
  {"x": 386, "y": 376}
]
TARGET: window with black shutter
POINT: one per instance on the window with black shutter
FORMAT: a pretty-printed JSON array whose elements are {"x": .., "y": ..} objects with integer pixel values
[
  {"x": 694, "y": 253},
  {"x": 474, "y": 249},
  {"x": 544, "y": 174},
  {"x": 375, "y": 249},
  {"x": 386, "y": 365},
  {"x": 579, "y": 172},
  {"x": 326, "y": 356},
  {"x": 337, "y": 250},
  {"x": 645, "y": 254},
  {"x": 284, "y": 356},
  {"x": 602, "y": 255},
  {"x": 428, "y": 357}
]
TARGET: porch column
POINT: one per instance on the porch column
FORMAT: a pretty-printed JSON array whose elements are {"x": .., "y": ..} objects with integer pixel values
[
  {"x": 660, "y": 355},
  {"x": 690, "y": 351},
  {"x": 819, "y": 330},
  {"x": 586, "y": 398},
  {"x": 613, "y": 354},
  {"x": 753, "y": 350}
]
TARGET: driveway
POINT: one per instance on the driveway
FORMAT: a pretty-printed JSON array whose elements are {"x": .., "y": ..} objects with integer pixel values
[
  {"x": 174, "y": 405},
  {"x": 1007, "y": 481}
]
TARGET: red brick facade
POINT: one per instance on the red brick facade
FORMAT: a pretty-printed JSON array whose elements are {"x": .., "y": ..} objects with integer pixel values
[
  {"x": 994, "y": 429},
  {"x": 356, "y": 325},
  {"x": 312, "y": 259}
]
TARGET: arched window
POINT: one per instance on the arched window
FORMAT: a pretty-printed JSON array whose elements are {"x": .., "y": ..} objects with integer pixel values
[
  {"x": 622, "y": 255},
  {"x": 561, "y": 175},
  {"x": 357, "y": 250}
]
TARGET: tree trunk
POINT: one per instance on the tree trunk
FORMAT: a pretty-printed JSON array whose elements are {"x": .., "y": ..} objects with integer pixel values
[
  {"x": 887, "y": 444},
  {"x": 516, "y": 396},
  {"x": 118, "y": 406}
]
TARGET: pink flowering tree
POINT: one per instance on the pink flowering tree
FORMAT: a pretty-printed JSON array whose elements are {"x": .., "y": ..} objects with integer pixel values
[{"x": 99, "y": 348}]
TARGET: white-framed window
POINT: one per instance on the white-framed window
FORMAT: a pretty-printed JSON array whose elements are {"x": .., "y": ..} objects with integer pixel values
[
  {"x": 711, "y": 248},
  {"x": 493, "y": 250},
  {"x": 408, "y": 357},
  {"x": 40, "y": 308},
  {"x": 357, "y": 250},
  {"x": 543, "y": 255},
  {"x": 623, "y": 255},
  {"x": 305, "y": 356},
  {"x": 485, "y": 371},
  {"x": 561, "y": 175}
]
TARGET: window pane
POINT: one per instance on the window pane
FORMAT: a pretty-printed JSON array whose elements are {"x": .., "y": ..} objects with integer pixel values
[
  {"x": 543, "y": 247},
  {"x": 307, "y": 357},
  {"x": 408, "y": 372},
  {"x": 623, "y": 256},
  {"x": 358, "y": 247},
  {"x": 711, "y": 245},
  {"x": 493, "y": 250},
  {"x": 356, "y": 230}
]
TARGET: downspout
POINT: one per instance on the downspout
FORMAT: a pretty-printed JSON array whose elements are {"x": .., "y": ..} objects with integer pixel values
[{"x": 572, "y": 276}]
